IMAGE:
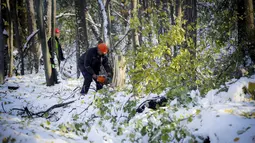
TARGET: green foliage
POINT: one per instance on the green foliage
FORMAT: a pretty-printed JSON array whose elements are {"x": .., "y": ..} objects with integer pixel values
[
  {"x": 161, "y": 126},
  {"x": 180, "y": 64},
  {"x": 153, "y": 71},
  {"x": 8, "y": 140}
]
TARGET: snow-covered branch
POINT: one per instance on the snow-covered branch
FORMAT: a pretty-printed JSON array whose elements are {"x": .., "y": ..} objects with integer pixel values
[
  {"x": 30, "y": 37},
  {"x": 93, "y": 27},
  {"x": 105, "y": 21},
  {"x": 64, "y": 14},
  {"x": 120, "y": 16}
]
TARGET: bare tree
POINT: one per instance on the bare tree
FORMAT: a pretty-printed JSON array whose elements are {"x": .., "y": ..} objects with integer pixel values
[
  {"x": 82, "y": 36},
  {"x": 48, "y": 16},
  {"x": 134, "y": 31},
  {"x": 17, "y": 36},
  {"x": 34, "y": 48},
  {"x": 1, "y": 47},
  {"x": 45, "y": 50},
  {"x": 190, "y": 14},
  {"x": 10, "y": 38},
  {"x": 249, "y": 13}
]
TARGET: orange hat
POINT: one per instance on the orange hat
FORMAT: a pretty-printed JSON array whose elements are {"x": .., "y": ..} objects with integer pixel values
[
  {"x": 103, "y": 48},
  {"x": 101, "y": 79}
]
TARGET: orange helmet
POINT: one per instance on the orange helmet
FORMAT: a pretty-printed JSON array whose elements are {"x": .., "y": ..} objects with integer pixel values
[
  {"x": 103, "y": 48},
  {"x": 101, "y": 79}
]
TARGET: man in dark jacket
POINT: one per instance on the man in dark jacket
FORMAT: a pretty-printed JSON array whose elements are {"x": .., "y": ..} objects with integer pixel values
[
  {"x": 90, "y": 63},
  {"x": 57, "y": 57}
]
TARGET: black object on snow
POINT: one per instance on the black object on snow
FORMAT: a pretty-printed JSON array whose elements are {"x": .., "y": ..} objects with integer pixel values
[
  {"x": 13, "y": 87},
  {"x": 207, "y": 140},
  {"x": 153, "y": 103}
]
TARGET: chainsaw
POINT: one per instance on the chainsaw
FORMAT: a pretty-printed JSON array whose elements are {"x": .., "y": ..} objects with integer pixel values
[{"x": 104, "y": 79}]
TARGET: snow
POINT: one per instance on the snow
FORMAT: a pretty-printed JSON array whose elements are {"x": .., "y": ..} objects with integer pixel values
[
  {"x": 223, "y": 114},
  {"x": 5, "y": 33}
]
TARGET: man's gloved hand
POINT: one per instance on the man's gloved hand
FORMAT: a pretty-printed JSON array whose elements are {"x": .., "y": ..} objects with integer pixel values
[
  {"x": 94, "y": 76},
  {"x": 52, "y": 61}
]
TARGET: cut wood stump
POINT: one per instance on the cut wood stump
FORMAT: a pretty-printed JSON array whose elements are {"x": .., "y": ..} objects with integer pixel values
[{"x": 119, "y": 71}]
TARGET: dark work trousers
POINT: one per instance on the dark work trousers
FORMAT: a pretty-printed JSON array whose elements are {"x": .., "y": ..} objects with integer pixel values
[
  {"x": 55, "y": 75},
  {"x": 87, "y": 81}
]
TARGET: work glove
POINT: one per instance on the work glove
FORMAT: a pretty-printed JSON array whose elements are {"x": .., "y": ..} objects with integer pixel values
[{"x": 94, "y": 76}]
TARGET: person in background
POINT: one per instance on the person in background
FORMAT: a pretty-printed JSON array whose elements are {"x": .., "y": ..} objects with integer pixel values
[
  {"x": 89, "y": 64},
  {"x": 58, "y": 55}
]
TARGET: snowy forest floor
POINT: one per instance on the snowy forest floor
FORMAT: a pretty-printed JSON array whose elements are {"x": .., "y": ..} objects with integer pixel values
[{"x": 224, "y": 116}]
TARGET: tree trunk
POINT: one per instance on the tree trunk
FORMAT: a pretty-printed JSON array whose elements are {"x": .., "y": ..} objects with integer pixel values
[
  {"x": 178, "y": 9},
  {"x": 172, "y": 13},
  {"x": 1, "y": 47},
  {"x": 49, "y": 11},
  {"x": 135, "y": 36},
  {"x": 250, "y": 28},
  {"x": 10, "y": 39},
  {"x": 242, "y": 35},
  {"x": 104, "y": 22},
  {"x": 34, "y": 48},
  {"x": 18, "y": 37},
  {"x": 53, "y": 42},
  {"x": 190, "y": 14},
  {"x": 82, "y": 36},
  {"x": 119, "y": 72},
  {"x": 45, "y": 50},
  {"x": 109, "y": 27}
]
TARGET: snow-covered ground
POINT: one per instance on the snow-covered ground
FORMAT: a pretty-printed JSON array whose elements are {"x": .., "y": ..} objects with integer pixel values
[{"x": 223, "y": 116}]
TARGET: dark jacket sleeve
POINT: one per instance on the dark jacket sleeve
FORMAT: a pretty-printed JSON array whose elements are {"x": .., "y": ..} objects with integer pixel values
[
  {"x": 50, "y": 51},
  {"x": 60, "y": 51},
  {"x": 106, "y": 65},
  {"x": 88, "y": 62}
]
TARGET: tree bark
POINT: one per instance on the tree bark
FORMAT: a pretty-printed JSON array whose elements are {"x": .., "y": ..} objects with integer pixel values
[
  {"x": 53, "y": 41},
  {"x": 242, "y": 35},
  {"x": 249, "y": 18},
  {"x": 45, "y": 50},
  {"x": 34, "y": 48},
  {"x": 81, "y": 31},
  {"x": 49, "y": 11},
  {"x": 135, "y": 36},
  {"x": 17, "y": 36},
  {"x": 190, "y": 14},
  {"x": 10, "y": 39},
  {"x": 119, "y": 72},
  {"x": 105, "y": 22},
  {"x": 1, "y": 47},
  {"x": 178, "y": 9}
]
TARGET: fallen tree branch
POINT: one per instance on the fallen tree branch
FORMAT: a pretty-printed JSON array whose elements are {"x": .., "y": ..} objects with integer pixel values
[
  {"x": 86, "y": 108},
  {"x": 41, "y": 113},
  {"x": 53, "y": 107},
  {"x": 3, "y": 107},
  {"x": 120, "y": 16},
  {"x": 121, "y": 40}
]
